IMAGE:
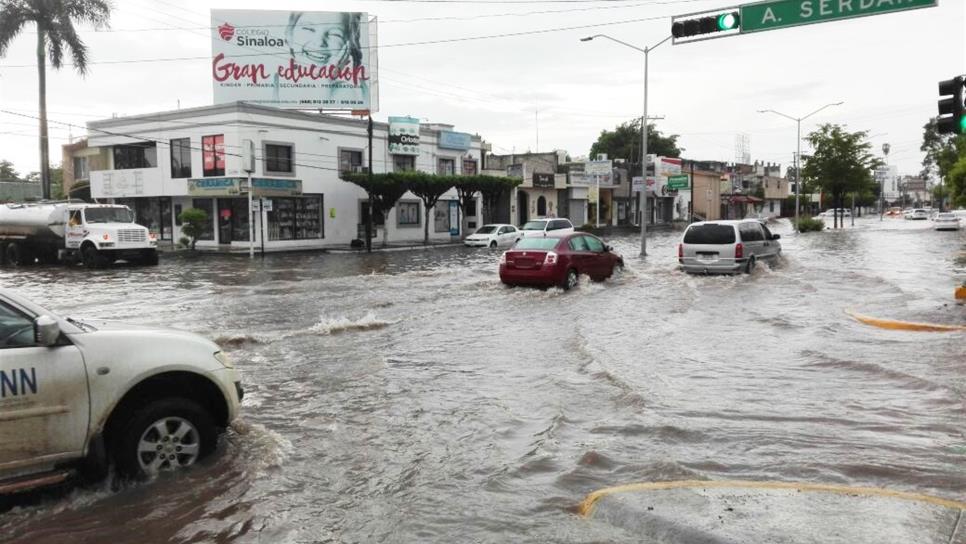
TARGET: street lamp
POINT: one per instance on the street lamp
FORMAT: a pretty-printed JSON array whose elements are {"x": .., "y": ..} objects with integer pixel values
[
  {"x": 646, "y": 51},
  {"x": 798, "y": 156},
  {"x": 885, "y": 151}
]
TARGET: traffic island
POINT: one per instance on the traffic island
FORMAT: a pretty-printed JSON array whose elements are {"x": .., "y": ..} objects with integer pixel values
[{"x": 742, "y": 511}]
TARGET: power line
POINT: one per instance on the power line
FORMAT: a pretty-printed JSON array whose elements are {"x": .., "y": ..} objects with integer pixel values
[{"x": 384, "y": 46}]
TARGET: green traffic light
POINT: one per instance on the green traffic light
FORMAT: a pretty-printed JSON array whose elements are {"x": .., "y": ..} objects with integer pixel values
[
  {"x": 727, "y": 21},
  {"x": 962, "y": 125}
]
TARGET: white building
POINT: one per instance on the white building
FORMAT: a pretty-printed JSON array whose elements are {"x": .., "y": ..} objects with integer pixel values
[
  {"x": 163, "y": 163},
  {"x": 888, "y": 178}
]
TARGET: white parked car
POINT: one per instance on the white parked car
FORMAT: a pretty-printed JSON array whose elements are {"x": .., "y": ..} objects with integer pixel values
[
  {"x": 945, "y": 221},
  {"x": 843, "y": 212},
  {"x": 541, "y": 227},
  {"x": 496, "y": 235},
  {"x": 77, "y": 396}
]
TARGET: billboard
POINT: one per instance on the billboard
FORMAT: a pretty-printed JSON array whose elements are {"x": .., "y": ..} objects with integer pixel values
[
  {"x": 404, "y": 136},
  {"x": 294, "y": 59},
  {"x": 460, "y": 141}
]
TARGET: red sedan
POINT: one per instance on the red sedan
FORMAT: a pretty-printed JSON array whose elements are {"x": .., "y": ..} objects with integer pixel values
[{"x": 558, "y": 260}]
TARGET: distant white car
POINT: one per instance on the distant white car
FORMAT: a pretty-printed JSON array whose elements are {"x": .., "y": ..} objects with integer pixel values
[
  {"x": 918, "y": 214},
  {"x": 541, "y": 227},
  {"x": 843, "y": 212},
  {"x": 496, "y": 235},
  {"x": 945, "y": 221}
]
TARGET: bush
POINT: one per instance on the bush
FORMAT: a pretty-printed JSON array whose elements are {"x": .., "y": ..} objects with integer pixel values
[
  {"x": 810, "y": 224},
  {"x": 194, "y": 222}
]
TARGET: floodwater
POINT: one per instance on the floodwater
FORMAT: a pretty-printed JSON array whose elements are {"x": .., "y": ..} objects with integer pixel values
[{"x": 410, "y": 397}]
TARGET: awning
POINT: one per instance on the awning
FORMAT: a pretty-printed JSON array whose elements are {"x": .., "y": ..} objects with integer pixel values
[{"x": 744, "y": 199}]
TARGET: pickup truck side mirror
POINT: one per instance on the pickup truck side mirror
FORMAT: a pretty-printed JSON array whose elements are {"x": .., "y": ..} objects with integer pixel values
[
  {"x": 776, "y": 236},
  {"x": 46, "y": 331}
]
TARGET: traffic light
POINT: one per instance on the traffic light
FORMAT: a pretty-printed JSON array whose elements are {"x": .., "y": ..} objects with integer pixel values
[
  {"x": 952, "y": 109},
  {"x": 706, "y": 25}
]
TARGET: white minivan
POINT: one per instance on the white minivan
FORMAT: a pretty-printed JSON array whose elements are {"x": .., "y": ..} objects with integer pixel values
[
  {"x": 542, "y": 227},
  {"x": 77, "y": 396},
  {"x": 726, "y": 247}
]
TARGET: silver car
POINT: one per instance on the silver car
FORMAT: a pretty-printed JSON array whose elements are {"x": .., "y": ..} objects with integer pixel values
[{"x": 726, "y": 247}]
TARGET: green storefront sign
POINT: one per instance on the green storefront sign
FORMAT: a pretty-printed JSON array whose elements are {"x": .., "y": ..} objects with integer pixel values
[
  {"x": 784, "y": 13},
  {"x": 262, "y": 187},
  {"x": 678, "y": 182}
]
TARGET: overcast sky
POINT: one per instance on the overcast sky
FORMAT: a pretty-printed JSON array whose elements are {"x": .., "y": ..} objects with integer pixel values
[{"x": 885, "y": 68}]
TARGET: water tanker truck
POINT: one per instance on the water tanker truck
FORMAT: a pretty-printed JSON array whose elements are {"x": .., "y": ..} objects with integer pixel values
[{"x": 94, "y": 234}]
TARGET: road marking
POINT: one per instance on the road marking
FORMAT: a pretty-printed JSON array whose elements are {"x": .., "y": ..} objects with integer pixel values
[
  {"x": 586, "y": 507},
  {"x": 904, "y": 325}
]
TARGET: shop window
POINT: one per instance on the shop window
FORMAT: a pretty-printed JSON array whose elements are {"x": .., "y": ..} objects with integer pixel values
[
  {"x": 407, "y": 214},
  {"x": 213, "y": 155},
  {"x": 403, "y": 163},
  {"x": 181, "y": 158},
  {"x": 441, "y": 216},
  {"x": 128, "y": 157},
  {"x": 350, "y": 160},
  {"x": 446, "y": 167},
  {"x": 81, "y": 169},
  {"x": 278, "y": 159},
  {"x": 296, "y": 218},
  {"x": 469, "y": 167},
  {"x": 207, "y": 205}
]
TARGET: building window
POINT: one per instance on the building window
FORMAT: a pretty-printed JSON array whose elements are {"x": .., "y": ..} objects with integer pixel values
[
  {"x": 278, "y": 159},
  {"x": 181, "y": 158},
  {"x": 407, "y": 214},
  {"x": 403, "y": 163},
  {"x": 81, "y": 169},
  {"x": 469, "y": 167},
  {"x": 541, "y": 207},
  {"x": 206, "y": 204},
  {"x": 127, "y": 157},
  {"x": 296, "y": 218},
  {"x": 350, "y": 160},
  {"x": 213, "y": 155},
  {"x": 441, "y": 216},
  {"x": 446, "y": 167},
  {"x": 771, "y": 205}
]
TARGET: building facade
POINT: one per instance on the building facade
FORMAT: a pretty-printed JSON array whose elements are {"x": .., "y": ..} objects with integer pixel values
[{"x": 161, "y": 164}]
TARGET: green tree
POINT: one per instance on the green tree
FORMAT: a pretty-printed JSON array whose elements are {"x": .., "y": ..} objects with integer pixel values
[
  {"x": 8, "y": 172},
  {"x": 194, "y": 223},
  {"x": 428, "y": 188},
  {"x": 624, "y": 142},
  {"x": 56, "y": 35},
  {"x": 942, "y": 154},
  {"x": 56, "y": 181},
  {"x": 384, "y": 191},
  {"x": 956, "y": 183},
  {"x": 466, "y": 189},
  {"x": 842, "y": 163}
]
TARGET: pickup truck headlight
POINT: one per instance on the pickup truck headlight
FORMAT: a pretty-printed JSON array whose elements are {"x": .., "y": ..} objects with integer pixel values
[{"x": 224, "y": 360}]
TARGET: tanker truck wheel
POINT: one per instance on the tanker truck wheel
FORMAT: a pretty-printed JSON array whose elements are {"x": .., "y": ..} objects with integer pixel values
[
  {"x": 92, "y": 257},
  {"x": 16, "y": 256}
]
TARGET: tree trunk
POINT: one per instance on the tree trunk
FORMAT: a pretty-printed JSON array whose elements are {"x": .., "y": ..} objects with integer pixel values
[
  {"x": 42, "y": 92},
  {"x": 429, "y": 208}
]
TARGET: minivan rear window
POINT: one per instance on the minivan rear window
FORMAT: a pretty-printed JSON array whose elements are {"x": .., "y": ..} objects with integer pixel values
[{"x": 710, "y": 233}]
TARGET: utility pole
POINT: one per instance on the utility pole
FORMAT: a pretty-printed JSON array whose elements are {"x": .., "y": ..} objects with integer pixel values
[
  {"x": 885, "y": 151},
  {"x": 372, "y": 211}
]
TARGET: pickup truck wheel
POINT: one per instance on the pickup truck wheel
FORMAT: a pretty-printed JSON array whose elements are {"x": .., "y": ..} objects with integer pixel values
[{"x": 165, "y": 435}]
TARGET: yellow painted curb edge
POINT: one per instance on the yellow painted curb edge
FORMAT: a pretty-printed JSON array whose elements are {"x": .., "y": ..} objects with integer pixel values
[
  {"x": 586, "y": 507},
  {"x": 904, "y": 325}
]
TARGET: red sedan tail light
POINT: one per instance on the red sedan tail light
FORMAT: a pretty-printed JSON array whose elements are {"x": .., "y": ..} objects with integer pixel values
[
  {"x": 739, "y": 251},
  {"x": 550, "y": 259},
  {"x": 503, "y": 258}
]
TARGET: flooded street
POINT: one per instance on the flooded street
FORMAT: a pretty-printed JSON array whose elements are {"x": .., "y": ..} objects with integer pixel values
[{"x": 410, "y": 397}]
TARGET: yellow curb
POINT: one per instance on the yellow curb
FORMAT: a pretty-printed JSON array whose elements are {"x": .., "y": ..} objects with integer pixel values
[
  {"x": 904, "y": 325},
  {"x": 586, "y": 507}
]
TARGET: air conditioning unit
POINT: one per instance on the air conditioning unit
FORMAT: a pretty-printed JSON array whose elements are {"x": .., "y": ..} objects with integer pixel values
[
  {"x": 602, "y": 156},
  {"x": 359, "y": 169}
]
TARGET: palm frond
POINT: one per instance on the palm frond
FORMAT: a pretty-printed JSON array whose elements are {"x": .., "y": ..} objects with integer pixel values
[{"x": 13, "y": 17}]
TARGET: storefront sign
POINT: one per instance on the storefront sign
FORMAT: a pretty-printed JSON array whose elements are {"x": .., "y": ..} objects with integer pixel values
[
  {"x": 599, "y": 168},
  {"x": 543, "y": 180},
  {"x": 592, "y": 194},
  {"x": 262, "y": 187},
  {"x": 667, "y": 166},
  {"x": 455, "y": 140},
  {"x": 404, "y": 136},
  {"x": 294, "y": 59},
  {"x": 678, "y": 182}
]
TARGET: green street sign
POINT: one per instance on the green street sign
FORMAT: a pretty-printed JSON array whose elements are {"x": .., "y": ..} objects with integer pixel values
[
  {"x": 773, "y": 14},
  {"x": 678, "y": 182}
]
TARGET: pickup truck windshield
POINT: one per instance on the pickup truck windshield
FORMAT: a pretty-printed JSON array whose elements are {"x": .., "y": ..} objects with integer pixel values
[{"x": 108, "y": 215}]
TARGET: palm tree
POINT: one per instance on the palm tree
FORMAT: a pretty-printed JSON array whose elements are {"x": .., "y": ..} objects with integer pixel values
[{"x": 55, "y": 21}]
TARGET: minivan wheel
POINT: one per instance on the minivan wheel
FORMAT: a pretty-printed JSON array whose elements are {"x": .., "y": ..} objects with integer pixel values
[
  {"x": 165, "y": 435},
  {"x": 750, "y": 267},
  {"x": 571, "y": 280}
]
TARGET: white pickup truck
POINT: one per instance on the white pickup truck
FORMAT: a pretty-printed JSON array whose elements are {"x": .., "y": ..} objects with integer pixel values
[{"x": 76, "y": 396}]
